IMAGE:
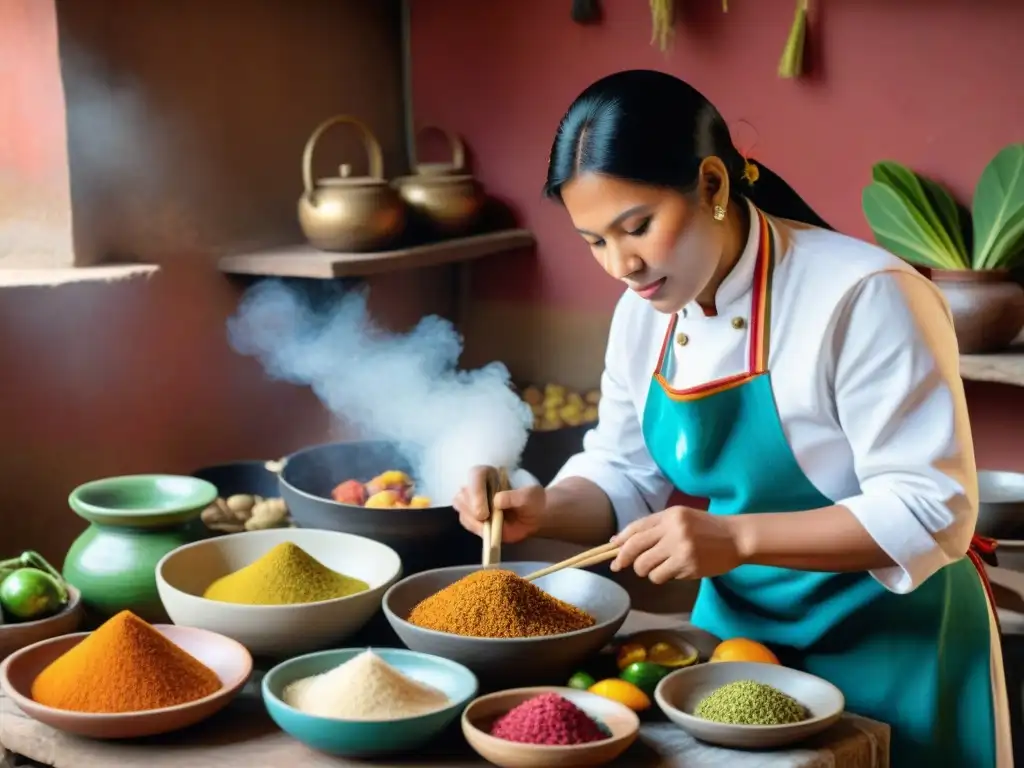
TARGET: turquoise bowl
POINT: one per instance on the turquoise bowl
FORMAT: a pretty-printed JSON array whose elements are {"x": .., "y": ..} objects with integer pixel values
[{"x": 367, "y": 738}]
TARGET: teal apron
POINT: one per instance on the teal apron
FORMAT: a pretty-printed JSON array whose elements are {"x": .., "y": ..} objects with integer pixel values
[{"x": 919, "y": 662}]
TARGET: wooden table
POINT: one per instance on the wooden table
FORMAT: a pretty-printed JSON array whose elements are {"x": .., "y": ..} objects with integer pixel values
[{"x": 244, "y": 737}]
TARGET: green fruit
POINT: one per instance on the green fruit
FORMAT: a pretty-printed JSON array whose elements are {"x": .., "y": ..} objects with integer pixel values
[
  {"x": 644, "y": 675},
  {"x": 29, "y": 594},
  {"x": 581, "y": 681}
]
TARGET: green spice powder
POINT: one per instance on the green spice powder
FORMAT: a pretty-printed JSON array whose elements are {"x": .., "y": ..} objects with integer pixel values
[{"x": 746, "y": 702}]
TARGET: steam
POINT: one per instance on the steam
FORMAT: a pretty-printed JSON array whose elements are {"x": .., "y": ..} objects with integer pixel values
[{"x": 401, "y": 388}]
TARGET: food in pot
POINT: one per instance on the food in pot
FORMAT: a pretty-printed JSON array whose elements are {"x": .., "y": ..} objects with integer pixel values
[
  {"x": 350, "y": 492},
  {"x": 246, "y": 512},
  {"x": 747, "y": 702},
  {"x": 555, "y": 406},
  {"x": 388, "y": 490}
]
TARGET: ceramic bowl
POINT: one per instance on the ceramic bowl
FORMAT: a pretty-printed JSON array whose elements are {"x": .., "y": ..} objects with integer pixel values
[
  {"x": 532, "y": 659},
  {"x": 679, "y": 693},
  {"x": 622, "y": 723},
  {"x": 228, "y": 659},
  {"x": 14, "y": 637},
  {"x": 276, "y": 630},
  {"x": 1000, "y": 504},
  {"x": 150, "y": 499},
  {"x": 366, "y": 738}
]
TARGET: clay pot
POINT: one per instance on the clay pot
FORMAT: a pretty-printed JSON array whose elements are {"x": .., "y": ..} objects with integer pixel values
[{"x": 987, "y": 307}]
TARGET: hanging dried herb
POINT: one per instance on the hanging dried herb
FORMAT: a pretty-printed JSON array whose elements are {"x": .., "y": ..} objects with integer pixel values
[
  {"x": 662, "y": 21},
  {"x": 792, "y": 62}
]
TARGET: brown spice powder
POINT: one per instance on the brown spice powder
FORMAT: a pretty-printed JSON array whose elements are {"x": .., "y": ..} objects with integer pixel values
[{"x": 498, "y": 603}]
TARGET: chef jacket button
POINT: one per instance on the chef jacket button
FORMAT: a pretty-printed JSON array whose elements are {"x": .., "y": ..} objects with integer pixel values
[
  {"x": 685, "y": 311},
  {"x": 739, "y": 323},
  {"x": 682, "y": 339}
]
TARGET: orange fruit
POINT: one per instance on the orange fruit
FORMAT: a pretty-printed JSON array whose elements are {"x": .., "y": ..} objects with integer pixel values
[
  {"x": 623, "y": 692},
  {"x": 741, "y": 649}
]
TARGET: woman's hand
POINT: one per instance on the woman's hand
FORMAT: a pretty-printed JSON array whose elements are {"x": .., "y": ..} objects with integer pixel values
[
  {"x": 678, "y": 543},
  {"x": 522, "y": 507}
]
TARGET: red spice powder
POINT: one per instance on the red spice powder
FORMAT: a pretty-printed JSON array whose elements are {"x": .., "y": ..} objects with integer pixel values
[{"x": 547, "y": 719}]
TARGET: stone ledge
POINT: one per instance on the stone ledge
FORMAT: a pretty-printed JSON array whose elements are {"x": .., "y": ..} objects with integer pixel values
[{"x": 26, "y": 278}]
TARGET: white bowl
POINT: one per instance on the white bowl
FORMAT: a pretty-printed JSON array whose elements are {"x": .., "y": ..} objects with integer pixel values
[
  {"x": 276, "y": 630},
  {"x": 679, "y": 693}
]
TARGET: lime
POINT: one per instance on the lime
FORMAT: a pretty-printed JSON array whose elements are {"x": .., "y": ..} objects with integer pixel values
[
  {"x": 29, "y": 593},
  {"x": 581, "y": 681},
  {"x": 644, "y": 675}
]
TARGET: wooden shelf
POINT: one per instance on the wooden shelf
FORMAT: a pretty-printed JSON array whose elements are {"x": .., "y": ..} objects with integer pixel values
[
  {"x": 306, "y": 261},
  {"x": 1005, "y": 367}
]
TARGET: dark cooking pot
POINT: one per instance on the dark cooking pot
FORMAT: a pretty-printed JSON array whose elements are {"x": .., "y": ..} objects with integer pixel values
[
  {"x": 424, "y": 538},
  {"x": 1001, "y": 504}
]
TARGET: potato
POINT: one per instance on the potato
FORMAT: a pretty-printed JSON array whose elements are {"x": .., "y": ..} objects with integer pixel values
[{"x": 241, "y": 502}]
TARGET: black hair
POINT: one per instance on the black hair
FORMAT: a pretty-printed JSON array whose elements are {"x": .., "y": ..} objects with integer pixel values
[{"x": 652, "y": 128}]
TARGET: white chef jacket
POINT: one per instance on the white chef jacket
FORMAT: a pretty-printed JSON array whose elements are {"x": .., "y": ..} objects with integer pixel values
[{"x": 865, "y": 371}]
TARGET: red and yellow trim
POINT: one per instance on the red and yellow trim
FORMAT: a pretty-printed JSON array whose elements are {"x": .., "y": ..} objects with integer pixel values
[
  {"x": 982, "y": 545},
  {"x": 760, "y": 327}
]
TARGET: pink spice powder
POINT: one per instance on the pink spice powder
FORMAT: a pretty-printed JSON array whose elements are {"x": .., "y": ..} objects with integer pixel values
[{"x": 547, "y": 719}]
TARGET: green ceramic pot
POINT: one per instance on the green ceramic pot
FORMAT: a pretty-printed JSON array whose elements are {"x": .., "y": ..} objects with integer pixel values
[{"x": 134, "y": 521}]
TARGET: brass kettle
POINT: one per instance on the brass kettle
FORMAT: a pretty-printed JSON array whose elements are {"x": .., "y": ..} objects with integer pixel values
[
  {"x": 443, "y": 193},
  {"x": 347, "y": 213}
]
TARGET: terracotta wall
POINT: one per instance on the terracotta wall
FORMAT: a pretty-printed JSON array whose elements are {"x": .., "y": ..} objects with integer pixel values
[
  {"x": 933, "y": 84},
  {"x": 185, "y": 131}
]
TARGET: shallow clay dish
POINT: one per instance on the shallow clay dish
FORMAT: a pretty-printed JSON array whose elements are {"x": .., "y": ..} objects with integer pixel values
[
  {"x": 228, "y": 659},
  {"x": 619, "y": 720},
  {"x": 679, "y": 693},
  {"x": 13, "y": 637},
  {"x": 276, "y": 630},
  {"x": 523, "y": 660},
  {"x": 675, "y": 637}
]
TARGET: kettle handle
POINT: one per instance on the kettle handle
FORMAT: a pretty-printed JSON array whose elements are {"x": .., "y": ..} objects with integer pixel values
[
  {"x": 373, "y": 149},
  {"x": 457, "y": 147}
]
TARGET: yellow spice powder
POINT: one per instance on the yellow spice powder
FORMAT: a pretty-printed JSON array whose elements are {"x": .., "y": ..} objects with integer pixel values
[{"x": 286, "y": 575}]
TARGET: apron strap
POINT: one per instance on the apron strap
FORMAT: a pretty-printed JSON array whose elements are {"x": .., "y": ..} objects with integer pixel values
[
  {"x": 981, "y": 545},
  {"x": 761, "y": 299}
]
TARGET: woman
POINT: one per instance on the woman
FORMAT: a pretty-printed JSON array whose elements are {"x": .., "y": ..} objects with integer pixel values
[{"x": 804, "y": 382}]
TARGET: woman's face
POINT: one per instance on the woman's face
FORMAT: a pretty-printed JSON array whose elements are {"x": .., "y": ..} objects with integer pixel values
[{"x": 662, "y": 244}]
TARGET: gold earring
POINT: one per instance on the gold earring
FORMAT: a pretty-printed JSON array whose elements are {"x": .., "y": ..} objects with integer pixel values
[{"x": 719, "y": 213}]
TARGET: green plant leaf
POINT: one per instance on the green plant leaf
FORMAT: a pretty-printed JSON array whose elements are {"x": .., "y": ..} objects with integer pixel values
[
  {"x": 950, "y": 216},
  {"x": 1010, "y": 243},
  {"x": 900, "y": 228},
  {"x": 913, "y": 189},
  {"x": 997, "y": 209}
]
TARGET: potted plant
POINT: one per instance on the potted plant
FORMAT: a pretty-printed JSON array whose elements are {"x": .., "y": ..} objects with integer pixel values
[{"x": 969, "y": 255}]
